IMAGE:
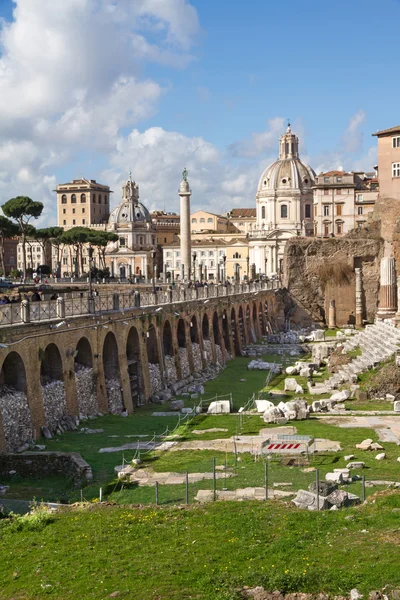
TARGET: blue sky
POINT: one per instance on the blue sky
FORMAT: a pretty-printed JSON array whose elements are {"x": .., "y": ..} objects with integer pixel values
[{"x": 199, "y": 83}]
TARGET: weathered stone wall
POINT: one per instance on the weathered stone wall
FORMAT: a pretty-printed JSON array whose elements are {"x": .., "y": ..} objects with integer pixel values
[
  {"x": 319, "y": 270},
  {"x": 114, "y": 393},
  {"x": 45, "y": 464}
]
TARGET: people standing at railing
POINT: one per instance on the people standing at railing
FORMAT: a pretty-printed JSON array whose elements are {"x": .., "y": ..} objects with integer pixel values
[{"x": 35, "y": 297}]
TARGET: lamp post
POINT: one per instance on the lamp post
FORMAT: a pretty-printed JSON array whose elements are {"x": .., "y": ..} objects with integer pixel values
[
  {"x": 153, "y": 254},
  {"x": 194, "y": 266},
  {"x": 248, "y": 263},
  {"x": 91, "y": 299}
]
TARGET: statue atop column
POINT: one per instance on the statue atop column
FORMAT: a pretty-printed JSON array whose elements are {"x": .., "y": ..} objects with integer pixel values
[{"x": 185, "y": 174}]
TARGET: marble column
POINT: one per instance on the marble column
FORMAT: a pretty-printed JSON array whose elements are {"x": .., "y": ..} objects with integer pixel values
[
  {"x": 388, "y": 289},
  {"x": 359, "y": 301},
  {"x": 332, "y": 315},
  {"x": 186, "y": 253}
]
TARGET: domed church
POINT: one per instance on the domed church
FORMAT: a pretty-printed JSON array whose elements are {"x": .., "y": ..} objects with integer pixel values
[
  {"x": 133, "y": 254},
  {"x": 284, "y": 206}
]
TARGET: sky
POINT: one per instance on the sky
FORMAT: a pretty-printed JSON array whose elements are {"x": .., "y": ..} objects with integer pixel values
[{"x": 96, "y": 88}]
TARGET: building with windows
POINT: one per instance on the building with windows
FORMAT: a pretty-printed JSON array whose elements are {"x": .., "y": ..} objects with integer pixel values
[
  {"x": 284, "y": 206},
  {"x": 389, "y": 162},
  {"x": 242, "y": 220},
  {"x": 37, "y": 253},
  {"x": 206, "y": 222},
  {"x": 342, "y": 201},
  {"x": 82, "y": 202}
]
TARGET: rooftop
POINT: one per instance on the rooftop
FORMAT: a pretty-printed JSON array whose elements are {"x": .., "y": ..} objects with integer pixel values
[
  {"x": 334, "y": 173},
  {"x": 240, "y": 213},
  {"x": 388, "y": 131}
]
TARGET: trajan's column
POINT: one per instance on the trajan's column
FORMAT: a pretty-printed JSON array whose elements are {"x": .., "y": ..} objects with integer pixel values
[{"x": 186, "y": 248}]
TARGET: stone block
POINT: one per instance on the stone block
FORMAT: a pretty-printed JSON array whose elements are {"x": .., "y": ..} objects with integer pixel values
[
  {"x": 292, "y": 370},
  {"x": 334, "y": 477},
  {"x": 308, "y": 500},
  {"x": 356, "y": 465},
  {"x": 318, "y": 335},
  {"x": 340, "y": 498},
  {"x": 324, "y": 487},
  {"x": 396, "y": 406},
  {"x": 177, "y": 405},
  {"x": 340, "y": 396},
  {"x": 380, "y": 456},
  {"x": 219, "y": 407},
  {"x": 361, "y": 395},
  {"x": 263, "y": 405},
  {"x": 290, "y": 384}
]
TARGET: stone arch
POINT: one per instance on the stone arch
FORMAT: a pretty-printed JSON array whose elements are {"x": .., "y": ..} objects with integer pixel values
[
  {"x": 261, "y": 318},
  {"x": 215, "y": 325},
  {"x": 235, "y": 332},
  {"x": 14, "y": 407},
  {"x": 153, "y": 358},
  {"x": 196, "y": 344},
  {"x": 225, "y": 332},
  {"x": 84, "y": 378},
  {"x": 53, "y": 391},
  {"x": 112, "y": 374},
  {"x": 169, "y": 352},
  {"x": 181, "y": 334},
  {"x": 266, "y": 317},
  {"x": 134, "y": 366},
  {"x": 205, "y": 328}
]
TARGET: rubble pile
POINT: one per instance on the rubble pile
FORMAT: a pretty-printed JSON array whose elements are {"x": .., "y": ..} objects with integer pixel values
[
  {"x": 155, "y": 377},
  {"x": 260, "y": 365},
  {"x": 295, "y": 410},
  {"x": 328, "y": 498},
  {"x": 196, "y": 352},
  {"x": 54, "y": 404},
  {"x": 16, "y": 417},
  {"x": 114, "y": 396},
  {"x": 170, "y": 368},
  {"x": 183, "y": 357},
  {"x": 86, "y": 391},
  {"x": 207, "y": 349}
]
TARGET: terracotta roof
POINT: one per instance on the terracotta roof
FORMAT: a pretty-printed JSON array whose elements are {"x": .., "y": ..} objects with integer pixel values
[
  {"x": 385, "y": 131},
  {"x": 330, "y": 173},
  {"x": 237, "y": 213}
]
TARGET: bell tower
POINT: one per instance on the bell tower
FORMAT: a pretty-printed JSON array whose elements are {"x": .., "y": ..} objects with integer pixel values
[{"x": 289, "y": 145}]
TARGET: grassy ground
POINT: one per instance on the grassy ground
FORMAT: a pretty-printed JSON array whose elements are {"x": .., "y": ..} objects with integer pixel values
[{"x": 207, "y": 552}]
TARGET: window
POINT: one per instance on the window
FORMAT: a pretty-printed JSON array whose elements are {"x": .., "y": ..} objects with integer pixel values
[
  {"x": 165, "y": 240},
  {"x": 284, "y": 211},
  {"x": 326, "y": 211},
  {"x": 83, "y": 198},
  {"x": 168, "y": 254},
  {"x": 360, "y": 198},
  {"x": 64, "y": 211},
  {"x": 263, "y": 212},
  {"x": 73, "y": 211},
  {"x": 203, "y": 253},
  {"x": 360, "y": 210},
  {"x": 326, "y": 192},
  {"x": 63, "y": 199},
  {"x": 141, "y": 240},
  {"x": 122, "y": 241},
  {"x": 73, "y": 221},
  {"x": 94, "y": 198},
  {"x": 65, "y": 261},
  {"x": 99, "y": 198},
  {"x": 315, "y": 210},
  {"x": 209, "y": 220},
  {"x": 194, "y": 220},
  {"x": 339, "y": 210},
  {"x": 396, "y": 142},
  {"x": 84, "y": 261},
  {"x": 308, "y": 211},
  {"x": 178, "y": 254},
  {"x": 64, "y": 222},
  {"x": 211, "y": 263},
  {"x": 73, "y": 199},
  {"x": 326, "y": 230},
  {"x": 338, "y": 180},
  {"x": 202, "y": 220},
  {"x": 83, "y": 210},
  {"x": 326, "y": 179},
  {"x": 339, "y": 228},
  {"x": 395, "y": 169},
  {"x": 360, "y": 225},
  {"x": 338, "y": 192},
  {"x": 241, "y": 224},
  {"x": 83, "y": 221}
]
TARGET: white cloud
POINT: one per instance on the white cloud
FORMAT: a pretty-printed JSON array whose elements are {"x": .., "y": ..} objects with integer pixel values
[
  {"x": 260, "y": 142},
  {"x": 71, "y": 77},
  {"x": 353, "y": 137}
]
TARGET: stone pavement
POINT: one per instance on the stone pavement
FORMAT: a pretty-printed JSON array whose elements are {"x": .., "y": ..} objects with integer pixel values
[
  {"x": 148, "y": 477},
  {"x": 140, "y": 446},
  {"x": 241, "y": 494},
  {"x": 387, "y": 427}
]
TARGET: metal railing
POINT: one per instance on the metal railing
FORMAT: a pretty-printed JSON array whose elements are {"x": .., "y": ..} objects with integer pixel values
[{"x": 27, "y": 311}]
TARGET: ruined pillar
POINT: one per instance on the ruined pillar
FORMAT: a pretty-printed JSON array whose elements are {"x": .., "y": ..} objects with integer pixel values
[
  {"x": 388, "y": 289},
  {"x": 359, "y": 301},
  {"x": 332, "y": 314},
  {"x": 186, "y": 254},
  {"x": 398, "y": 302}
]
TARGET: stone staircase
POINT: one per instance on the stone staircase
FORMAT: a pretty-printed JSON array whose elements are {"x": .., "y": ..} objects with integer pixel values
[{"x": 377, "y": 342}]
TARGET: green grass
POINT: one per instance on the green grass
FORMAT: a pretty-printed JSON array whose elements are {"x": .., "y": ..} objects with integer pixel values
[{"x": 207, "y": 552}]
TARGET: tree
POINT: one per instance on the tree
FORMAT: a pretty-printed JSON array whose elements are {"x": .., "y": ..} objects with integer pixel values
[
  {"x": 8, "y": 229},
  {"x": 77, "y": 237},
  {"x": 50, "y": 235},
  {"x": 22, "y": 209},
  {"x": 101, "y": 239}
]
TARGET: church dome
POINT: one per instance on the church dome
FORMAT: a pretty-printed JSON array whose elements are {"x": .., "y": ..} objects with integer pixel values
[
  {"x": 288, "y": 172},
  {"x": 130, "y": 210}
]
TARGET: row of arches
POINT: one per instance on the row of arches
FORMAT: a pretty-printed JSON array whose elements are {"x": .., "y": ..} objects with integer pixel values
[{"x": 108, "y": 368}]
